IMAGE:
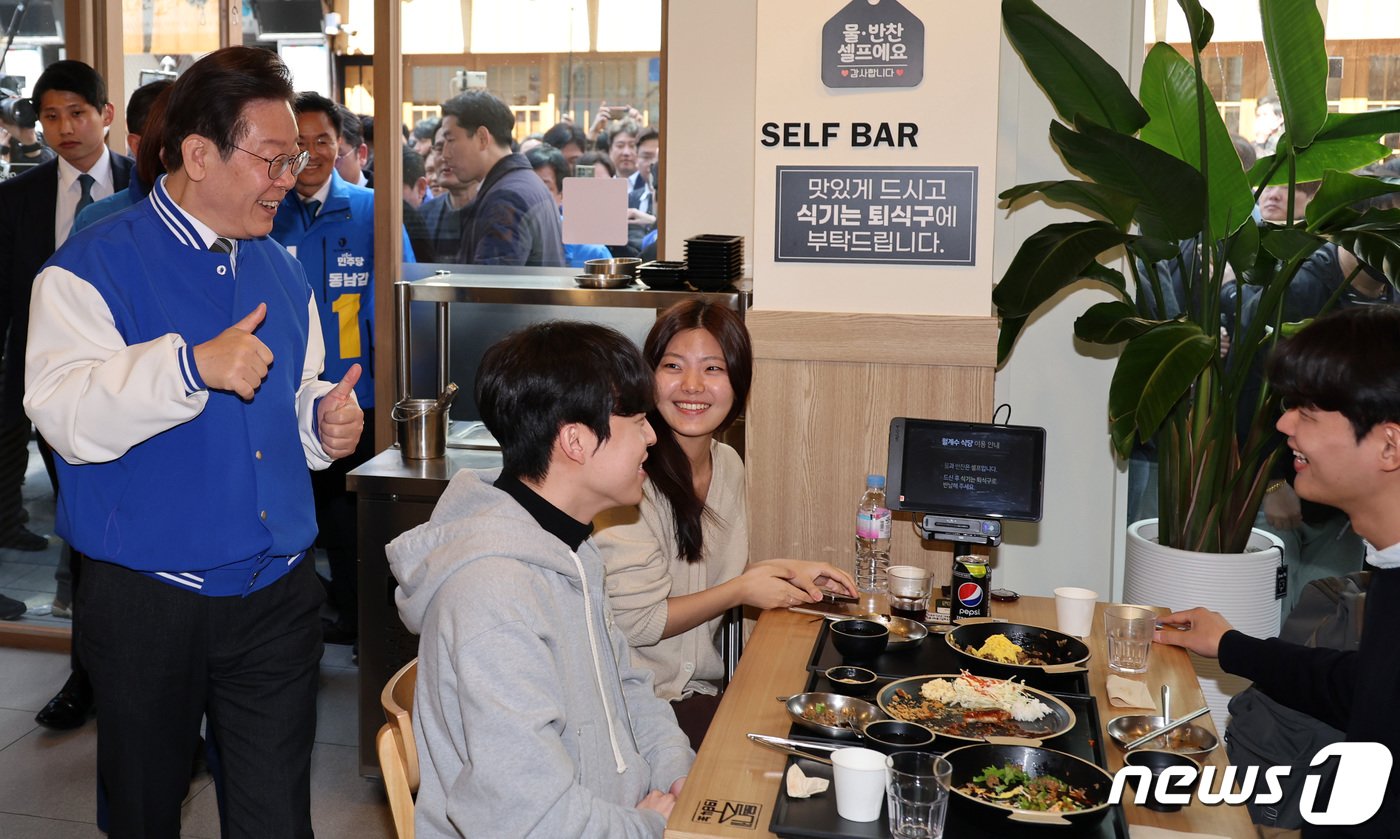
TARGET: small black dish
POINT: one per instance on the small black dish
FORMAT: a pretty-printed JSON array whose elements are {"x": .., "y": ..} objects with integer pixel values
[
  {"x": 1157, "y": 761},
  {"x": 859, "y": 639},
  {"x": 852, "y": 681},
  {"x": 890, "y": 736}
]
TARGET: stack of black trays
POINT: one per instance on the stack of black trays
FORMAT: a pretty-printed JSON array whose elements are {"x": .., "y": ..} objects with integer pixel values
[
  {"x": 714, "y": 261},
  {"x": 666, "y": 276},
  {"x": 816, "y": 817}
]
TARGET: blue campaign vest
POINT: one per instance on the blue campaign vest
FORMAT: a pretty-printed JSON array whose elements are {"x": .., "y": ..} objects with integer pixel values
[
  {"x": 337, "y": 250},
  {"x": 229, "y": 489}
]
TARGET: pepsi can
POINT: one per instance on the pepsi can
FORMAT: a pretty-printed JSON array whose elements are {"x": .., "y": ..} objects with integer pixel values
[{"x": 971, "y": 589}]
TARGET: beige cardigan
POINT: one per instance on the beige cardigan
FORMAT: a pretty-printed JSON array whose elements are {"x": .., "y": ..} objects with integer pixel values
[{"x": 644, "y": 568}]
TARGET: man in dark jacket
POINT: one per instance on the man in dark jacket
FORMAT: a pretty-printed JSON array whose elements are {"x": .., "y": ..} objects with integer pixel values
[
  {"x": 513, "y": 220},
  {"x": 1340, "y": 378}
]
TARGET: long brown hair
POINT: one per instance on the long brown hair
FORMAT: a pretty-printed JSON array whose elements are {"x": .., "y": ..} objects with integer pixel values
[{"x": 667, "y": 466}]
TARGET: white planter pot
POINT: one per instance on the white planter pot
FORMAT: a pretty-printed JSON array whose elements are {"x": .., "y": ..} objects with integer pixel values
[{"x": 1238, "y": 586}]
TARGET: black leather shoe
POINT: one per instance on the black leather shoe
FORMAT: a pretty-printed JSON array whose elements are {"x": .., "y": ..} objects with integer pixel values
[
  {"x": 24, "y": 539},
  {"x": 70, "y": 707},
  {"x": 11, "y": 609}
]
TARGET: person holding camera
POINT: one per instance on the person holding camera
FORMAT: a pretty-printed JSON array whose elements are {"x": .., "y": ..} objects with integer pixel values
[{"x": 21, "y": 142}]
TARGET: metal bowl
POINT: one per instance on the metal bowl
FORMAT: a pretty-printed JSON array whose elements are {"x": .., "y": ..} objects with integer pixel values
[
  {"x": 905, "y": 634},
  {"x": 615, "y": 265},
  {"x": 854, "y": 714},
  {"x": 1187, "y": 739},
  {"x": 604, "y": 280}
]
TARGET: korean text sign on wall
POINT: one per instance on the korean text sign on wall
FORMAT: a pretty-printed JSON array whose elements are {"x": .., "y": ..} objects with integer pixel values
[{"x": 914, "y": 215}]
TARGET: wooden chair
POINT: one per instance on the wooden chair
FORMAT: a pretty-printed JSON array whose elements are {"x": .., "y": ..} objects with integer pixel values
[{"x": 398, "y": 753}]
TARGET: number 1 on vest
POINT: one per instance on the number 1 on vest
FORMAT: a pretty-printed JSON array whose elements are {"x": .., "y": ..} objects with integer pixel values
[{"x": 347, "y": 306}]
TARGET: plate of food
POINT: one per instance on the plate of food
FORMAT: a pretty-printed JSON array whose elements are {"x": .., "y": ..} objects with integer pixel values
[
  {"x": 1029, "y": 784},
  {"x": 969, "y": 707},
  {"x": 1019, "y": 647}
]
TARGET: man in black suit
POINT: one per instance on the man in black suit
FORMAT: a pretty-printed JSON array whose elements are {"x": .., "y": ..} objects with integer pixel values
[{"x": 36, "y": 214}]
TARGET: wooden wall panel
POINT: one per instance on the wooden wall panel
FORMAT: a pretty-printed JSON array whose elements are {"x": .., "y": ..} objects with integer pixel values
[{"x": 818, "y": 422}]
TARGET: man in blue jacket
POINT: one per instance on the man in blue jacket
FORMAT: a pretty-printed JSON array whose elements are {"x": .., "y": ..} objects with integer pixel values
[
  {"x": 328, "y": 225},
  {"x": 174, "y": 364}
]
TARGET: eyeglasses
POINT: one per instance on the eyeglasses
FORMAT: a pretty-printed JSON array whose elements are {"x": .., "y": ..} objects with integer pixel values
[{"x": 278, "y": 165}]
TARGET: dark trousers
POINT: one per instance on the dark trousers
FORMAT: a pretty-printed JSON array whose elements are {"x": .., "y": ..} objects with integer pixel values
[
  {"x": 337, "y": 525},
  {"x": 161, "y": 657},
  {"x": 14, "y": 462}
]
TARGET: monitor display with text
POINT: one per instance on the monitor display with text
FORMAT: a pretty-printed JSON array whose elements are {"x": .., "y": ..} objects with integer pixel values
[{"x": 971, "y": 469}]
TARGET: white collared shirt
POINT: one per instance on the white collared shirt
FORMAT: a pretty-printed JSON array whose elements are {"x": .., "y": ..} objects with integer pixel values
[
  {"x": 1385, "y": 558},
  {"x": 69, "y": 191},
  {"x": 320, "y": 195}
]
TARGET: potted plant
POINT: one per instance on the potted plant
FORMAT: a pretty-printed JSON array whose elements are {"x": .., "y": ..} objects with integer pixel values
[{"x": 1165, "y": 187}]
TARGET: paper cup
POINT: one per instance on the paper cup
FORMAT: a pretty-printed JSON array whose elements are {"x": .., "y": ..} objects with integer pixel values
[
  {"x": 859, "y": 775},
  {"x": 1074, "y": 610}
]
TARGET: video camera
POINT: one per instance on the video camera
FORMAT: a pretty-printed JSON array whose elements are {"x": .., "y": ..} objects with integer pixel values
[{"x": 14, "y": 108}]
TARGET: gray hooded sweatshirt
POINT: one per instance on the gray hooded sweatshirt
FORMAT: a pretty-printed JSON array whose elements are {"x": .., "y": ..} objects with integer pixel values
[{"x": 529, "y": 718}]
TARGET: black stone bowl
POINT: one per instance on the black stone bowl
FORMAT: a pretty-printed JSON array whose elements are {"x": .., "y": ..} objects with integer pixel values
[{"x": 858, "y": 639}]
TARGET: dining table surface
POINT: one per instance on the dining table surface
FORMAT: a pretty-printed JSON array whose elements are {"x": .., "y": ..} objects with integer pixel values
[{"x": 734, "y": 783}]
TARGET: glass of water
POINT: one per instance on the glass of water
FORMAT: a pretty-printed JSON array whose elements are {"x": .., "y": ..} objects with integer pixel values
[
  {"x": 917, "y": 794},
  {"x": 1129, "y": 630}
]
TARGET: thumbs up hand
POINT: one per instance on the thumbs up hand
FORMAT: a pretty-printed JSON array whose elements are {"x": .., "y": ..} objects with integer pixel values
[
  {"x": 339, "y": 418},
  {"x": 234, "y": 359}
]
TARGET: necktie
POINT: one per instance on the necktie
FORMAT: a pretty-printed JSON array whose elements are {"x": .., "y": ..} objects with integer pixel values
[
  {"x": 86, "y": 181},
  {"x": 221, "y": 245},
  {"x": 312, "y": 208}
]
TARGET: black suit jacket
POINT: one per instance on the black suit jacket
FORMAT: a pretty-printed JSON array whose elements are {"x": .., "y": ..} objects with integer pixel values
[{"x": 27, "y": 206}]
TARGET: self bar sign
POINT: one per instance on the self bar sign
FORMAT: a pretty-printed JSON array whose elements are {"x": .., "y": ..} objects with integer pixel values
[
  {"x": 873, "y": 44},
  {"x": 915, "y": 215}
]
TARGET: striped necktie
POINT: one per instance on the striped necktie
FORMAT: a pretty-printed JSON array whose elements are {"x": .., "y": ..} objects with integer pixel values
[
  {"x": 221, "y": 245},
  {"x": 86, "y": 181}
]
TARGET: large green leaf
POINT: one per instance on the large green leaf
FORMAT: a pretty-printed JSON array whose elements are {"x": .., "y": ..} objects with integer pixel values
[
  {"x": 1075, "y": 79},
  {"x": 1293, "y": 42},
  {"x": 1342, "y": 189},
  {"x": 1110, "y": 322},
  {"x": 1290, "y": 244},
  {"x": 1092, "y": 198},
  {"x": 1199, "y": 21},
  {"x": 1049, "y": 260},
  {"x": 1374, "y": 236},
  {"x": 1367, "y": 124},
  {"x": 1342, "y": 154},
  {"x": 1242, "y": 249},
  {"x": 1169, "y": 95},
  {"x": 1170, "y": 192},
  {"x": 1155, "y": 371}
]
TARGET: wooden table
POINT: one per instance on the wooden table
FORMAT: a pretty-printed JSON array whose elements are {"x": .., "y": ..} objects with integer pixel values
[{"x": 733, "y": 772}]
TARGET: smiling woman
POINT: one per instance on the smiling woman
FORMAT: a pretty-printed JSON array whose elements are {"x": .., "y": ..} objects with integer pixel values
[{"x": 680, "y": 560}]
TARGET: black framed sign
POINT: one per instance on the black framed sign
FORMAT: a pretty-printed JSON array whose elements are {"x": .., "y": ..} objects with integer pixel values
[{"x": 904, "y": 215}]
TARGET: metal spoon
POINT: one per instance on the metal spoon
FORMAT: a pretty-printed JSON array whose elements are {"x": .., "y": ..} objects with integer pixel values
[{"x": 1166, "y": 703}]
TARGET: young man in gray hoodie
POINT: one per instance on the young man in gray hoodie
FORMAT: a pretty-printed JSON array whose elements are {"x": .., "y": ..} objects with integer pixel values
[{"x": 529, "y": 719}]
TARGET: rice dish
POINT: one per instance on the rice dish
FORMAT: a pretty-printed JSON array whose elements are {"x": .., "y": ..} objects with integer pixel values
[{"x": 976, "y": 693}]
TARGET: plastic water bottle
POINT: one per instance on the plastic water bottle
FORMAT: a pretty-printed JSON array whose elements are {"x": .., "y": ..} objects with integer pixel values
[{"x": 873, "y": 545}]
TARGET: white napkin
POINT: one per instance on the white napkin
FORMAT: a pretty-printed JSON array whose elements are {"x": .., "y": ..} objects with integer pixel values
[
  {"x": 1126, "y": 693},
  {"x": 1143, "y": 831},
  {"x": 801, "y": 786}
]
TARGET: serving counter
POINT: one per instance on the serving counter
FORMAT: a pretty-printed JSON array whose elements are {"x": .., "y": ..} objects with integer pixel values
[{"x": 732, "y": 788}]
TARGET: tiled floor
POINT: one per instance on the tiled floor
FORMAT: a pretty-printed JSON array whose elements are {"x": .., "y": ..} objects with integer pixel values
[{"x": 48, "y": 778}]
